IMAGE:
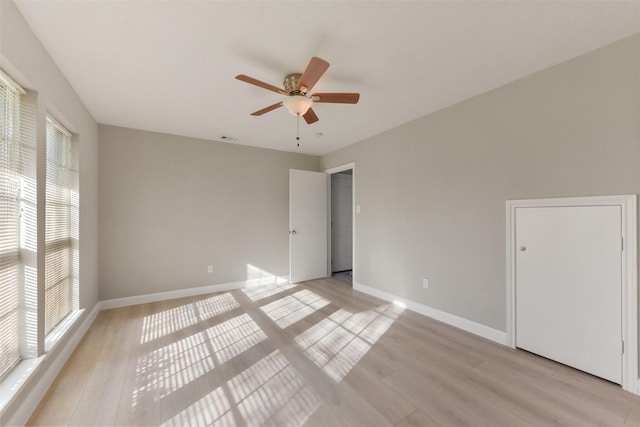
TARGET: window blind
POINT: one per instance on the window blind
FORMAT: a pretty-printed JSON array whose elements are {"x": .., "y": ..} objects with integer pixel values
[
  {"x": 60, "y": 216},
  {"x": 9, "y": 225}
]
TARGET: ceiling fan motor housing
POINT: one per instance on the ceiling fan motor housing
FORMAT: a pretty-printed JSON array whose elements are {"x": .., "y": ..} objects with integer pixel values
[{"x": 291, "y": 84}]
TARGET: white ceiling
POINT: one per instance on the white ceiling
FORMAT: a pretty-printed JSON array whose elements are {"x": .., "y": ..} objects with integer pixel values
[{"x": 169, "y": 66}]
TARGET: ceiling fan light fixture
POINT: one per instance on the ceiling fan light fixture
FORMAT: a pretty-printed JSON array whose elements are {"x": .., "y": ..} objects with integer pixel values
[{"x": 298, "y": 105}]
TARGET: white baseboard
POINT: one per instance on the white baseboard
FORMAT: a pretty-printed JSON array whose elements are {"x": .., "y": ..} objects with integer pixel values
[
  {"x": 448, "y": 318},
  {"x": 189, "y": 292},
  {"x": 31, "y": 399}
]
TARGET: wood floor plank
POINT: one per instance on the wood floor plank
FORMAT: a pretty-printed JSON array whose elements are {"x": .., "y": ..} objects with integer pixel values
[
  {"x": 65, "y": 393},
  {"x": 633, "y": 417},
  {"x": 452, "y": 399},
  {"x": 317, "y": 354},
  {"x": 418, "y": 419},
  {"x": 588, "y": 407},
  {"x": 541, "y": 406},
  {"x": 393, "y": 406},
  {"x": 101, "y": 396}
]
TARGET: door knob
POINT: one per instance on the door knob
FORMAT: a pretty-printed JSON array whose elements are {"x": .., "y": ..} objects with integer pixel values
[{"x": 523, "y": 248}]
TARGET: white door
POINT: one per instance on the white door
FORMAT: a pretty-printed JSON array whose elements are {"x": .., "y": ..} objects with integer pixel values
[
  {"x": 341, "y": 222},
  {"x": 568, "y": 286},
  {"x": 307, "y": 225}
]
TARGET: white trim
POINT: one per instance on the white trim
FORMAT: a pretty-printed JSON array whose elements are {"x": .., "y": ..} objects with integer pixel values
[
  {"x": 30, "y": 400},
  {"x": 348, "y": 166},
  {"x": 341, "y": 168},
  {"x": 448, "y": 318},
  {"x": 628, "y": 204},
  {"x": 511, "y": 278},
  {"x": 56, "y": 124},
  {"x": 189, "y": 292},
  {"x": 15, "y": 381},
  {"x": 53, "y": 338},
  {"x": 630, "y": 295},
  {"x": 8, "y": 80}
]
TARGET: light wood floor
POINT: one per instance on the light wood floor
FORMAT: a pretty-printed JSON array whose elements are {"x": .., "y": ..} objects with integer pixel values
[{"x": 315, "y": 354}]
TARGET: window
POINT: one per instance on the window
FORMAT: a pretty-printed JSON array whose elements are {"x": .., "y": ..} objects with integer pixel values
[
  {"x": 9, "y": 225},
  {"x": 25, "y": 324},
  {"x": 61, "y": 225}
]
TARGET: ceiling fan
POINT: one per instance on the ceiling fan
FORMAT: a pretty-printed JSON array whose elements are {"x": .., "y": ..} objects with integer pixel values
[{"x": 297, "y": 88}]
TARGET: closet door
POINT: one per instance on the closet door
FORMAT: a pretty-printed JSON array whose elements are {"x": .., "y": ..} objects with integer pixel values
[{"x": 569, "y": 286}]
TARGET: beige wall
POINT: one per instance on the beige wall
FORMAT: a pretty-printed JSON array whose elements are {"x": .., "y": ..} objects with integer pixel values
[
  {"x": 171, "y": 205},
  {"x": 432, "y": 192}
]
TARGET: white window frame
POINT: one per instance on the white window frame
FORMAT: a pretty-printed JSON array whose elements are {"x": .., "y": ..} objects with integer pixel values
[
  {"x": 70, "y": 169},
  {"x": 14, "y": 93}
]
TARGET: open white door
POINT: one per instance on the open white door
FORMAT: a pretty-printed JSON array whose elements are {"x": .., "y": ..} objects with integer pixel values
[{"x": 307, "y": 225}]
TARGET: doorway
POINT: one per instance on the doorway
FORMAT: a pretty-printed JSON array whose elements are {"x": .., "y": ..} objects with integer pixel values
[{"x": 341, "y": 220}]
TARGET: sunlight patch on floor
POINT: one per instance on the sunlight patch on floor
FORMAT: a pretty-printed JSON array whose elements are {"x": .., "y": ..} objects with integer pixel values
[
  {"x": 216, "y": 305},
  {"x": 169, "y": 368},
  {"x": 260, "y": 292},
  {"x": 338, "y": 342},
  {"x": 292, "y": 308},
  {"x": 229, "y": 339},
  {"x": 166, "y": 322},
  {"x": 212, "y": 409},
  {"x": 270, "y": 392}
]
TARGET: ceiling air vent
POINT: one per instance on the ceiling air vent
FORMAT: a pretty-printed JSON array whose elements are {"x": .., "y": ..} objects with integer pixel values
[{"x": 227, "y": 138}]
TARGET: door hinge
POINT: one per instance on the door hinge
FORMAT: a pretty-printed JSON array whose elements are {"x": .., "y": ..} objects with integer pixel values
[
  {"x": 622, "y": 347},
  {"x": 622, "y": 243}
]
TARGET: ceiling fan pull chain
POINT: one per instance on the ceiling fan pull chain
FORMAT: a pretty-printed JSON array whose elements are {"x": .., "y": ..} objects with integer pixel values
[{"x": 298, "y": 129}]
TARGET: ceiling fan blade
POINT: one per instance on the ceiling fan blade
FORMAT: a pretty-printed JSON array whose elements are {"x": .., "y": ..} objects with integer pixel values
[
  {"x": 312, "y": 74},
  {"x": 267, "y": 109},
  {"x": 338, "y": 98},
  {"x": 310, "y": 116},
  {"x": 258, "y": 83}
]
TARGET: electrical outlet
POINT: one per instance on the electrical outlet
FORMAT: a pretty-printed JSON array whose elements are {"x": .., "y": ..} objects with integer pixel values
[
  {"x": 210, "y": 269},
  {"x": 425, "y": 283}
]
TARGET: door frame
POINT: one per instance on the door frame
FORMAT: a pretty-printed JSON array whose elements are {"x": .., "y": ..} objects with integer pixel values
[
  {"x": 348, "y": 166},
  {"x": 628, "y": 205}
]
